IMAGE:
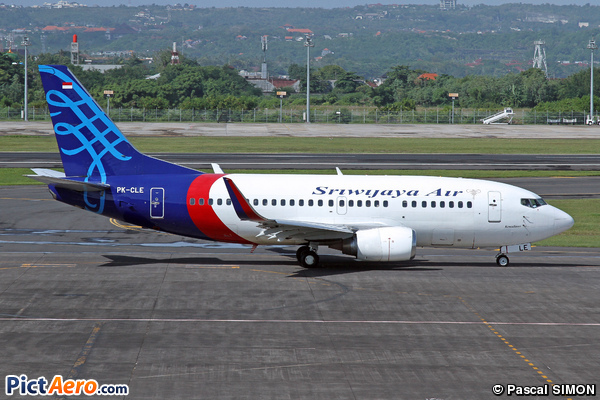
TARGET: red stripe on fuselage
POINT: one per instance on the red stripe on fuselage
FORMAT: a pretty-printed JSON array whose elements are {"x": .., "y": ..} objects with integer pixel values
[{"x": 204, "y": 217}]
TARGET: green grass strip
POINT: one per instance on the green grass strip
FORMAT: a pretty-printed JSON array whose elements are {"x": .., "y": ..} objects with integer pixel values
[
  {"x": 262, "y": 144},
  {"x": 585, "y": 232}
]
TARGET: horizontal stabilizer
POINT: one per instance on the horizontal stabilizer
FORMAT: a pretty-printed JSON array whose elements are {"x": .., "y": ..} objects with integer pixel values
[{"x": 58, "y": 179}]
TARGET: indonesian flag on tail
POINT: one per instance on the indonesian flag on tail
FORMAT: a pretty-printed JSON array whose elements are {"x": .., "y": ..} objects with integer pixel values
[{"x": 67, "y": 85}]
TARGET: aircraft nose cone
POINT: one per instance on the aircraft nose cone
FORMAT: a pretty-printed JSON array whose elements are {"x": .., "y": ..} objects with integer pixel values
[{"x": 562, "y": 221}]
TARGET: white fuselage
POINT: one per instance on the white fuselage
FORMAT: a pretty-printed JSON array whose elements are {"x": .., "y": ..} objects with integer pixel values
[{"x": 442, "y": 211}]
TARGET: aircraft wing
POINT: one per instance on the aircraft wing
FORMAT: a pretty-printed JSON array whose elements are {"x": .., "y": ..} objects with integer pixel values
[
  {"x": 59, "y": 179},
  {"x": 284, "y": 229}
]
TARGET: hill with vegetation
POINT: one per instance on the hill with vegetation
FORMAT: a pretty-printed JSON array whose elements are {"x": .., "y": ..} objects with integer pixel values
[
  {"x": 368, "y": 40},
  {"x": 482, "y": 52}
]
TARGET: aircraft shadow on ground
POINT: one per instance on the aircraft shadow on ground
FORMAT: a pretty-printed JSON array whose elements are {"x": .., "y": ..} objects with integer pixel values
[
  {"x": 130, "y": 261},
  {"x": 330, "y": 264}
]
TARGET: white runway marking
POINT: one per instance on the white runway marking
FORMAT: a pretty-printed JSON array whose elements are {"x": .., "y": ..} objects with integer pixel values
[{"x": 295, "y": 321}]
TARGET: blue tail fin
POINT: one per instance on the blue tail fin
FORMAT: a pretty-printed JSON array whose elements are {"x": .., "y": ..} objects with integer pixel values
[{"x": 90, "y": 144}]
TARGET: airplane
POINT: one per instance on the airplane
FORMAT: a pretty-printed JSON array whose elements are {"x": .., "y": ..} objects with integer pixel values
[{"x": 373, "y": 218}]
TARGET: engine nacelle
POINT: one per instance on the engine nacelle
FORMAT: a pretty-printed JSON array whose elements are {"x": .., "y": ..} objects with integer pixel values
[{"x": 396, "y": 243}]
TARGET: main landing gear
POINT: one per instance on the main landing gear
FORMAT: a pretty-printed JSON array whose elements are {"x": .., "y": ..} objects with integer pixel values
[
  {"x": 307, "y": 256},
  {"x": 502, "y": 260}
]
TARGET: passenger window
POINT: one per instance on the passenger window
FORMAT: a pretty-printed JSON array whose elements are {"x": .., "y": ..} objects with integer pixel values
[
  {"x": 292, "y": 202},
  {"x": 385, "y": 203},
  {"x": 368, "y": 203},
  {"x": 228, "y": 202},
  {"x": 301, "y": 203},
  {"x": 460, "y": 204},
  {"x": 469, "y": 204},
  {"x": 442, "y": 204},
  {"x": 273, "y": 202},
  {"x": 376, "y": 203},
  {"x": 200, "y": 202},
  {"x": 358, "y": 203},
  {"x": 320, "y": 203},
  {"x": 265, "y": 202},
  {"x": 350, "y": 203},
  {"x": 414, "y": 204},
  {"x": 311, "y": 203},
  {"x": 451, "y": 204},
  {"x": 210, "y": 201},
  {"x": 283, "y": 202},
  {"x": 255, "y": 202},
  {"x": 331, "y": 203},
  {"x": 433, "y": 204},
  {"x": 219, "y": 202},
  {"x": 404, "y": 203},
  {"x": 192, "y": 201},
  {"x": 424, "y": 204},
  {"x": 342, "y": 203}
]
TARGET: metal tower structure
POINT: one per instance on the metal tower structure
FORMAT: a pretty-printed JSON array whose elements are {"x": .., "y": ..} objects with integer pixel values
[
  {"x": 74, "y": 51},
  {"x": 43, "y": 40},
  {"x": 539, "y": 56},
  {"x": 174, "y": 54},
  {"x": 263, "y": 70}
]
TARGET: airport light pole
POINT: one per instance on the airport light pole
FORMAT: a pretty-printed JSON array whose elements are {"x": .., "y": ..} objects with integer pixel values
[
  {"x": 281, "y": 95},
  {"x": 25, "y": 44},
  {"x": 308, "y": 43},
  {"x": 592, "y": 46},
  {"x": 108, "y": 94}
]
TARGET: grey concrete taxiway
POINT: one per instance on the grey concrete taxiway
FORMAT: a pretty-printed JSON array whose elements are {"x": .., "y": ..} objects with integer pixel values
[
  {"x": 326, "y": 130},
  {"x": 174, "y": 318}
]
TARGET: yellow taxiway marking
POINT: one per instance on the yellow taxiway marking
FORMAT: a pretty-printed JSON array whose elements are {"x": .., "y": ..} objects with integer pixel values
[
  {"x": 504, "y": 340},
  {"x": 47, "y": 265}
]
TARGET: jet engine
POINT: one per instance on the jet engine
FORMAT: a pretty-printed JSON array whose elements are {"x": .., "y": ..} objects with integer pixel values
[{"x": 397, "y": 243}]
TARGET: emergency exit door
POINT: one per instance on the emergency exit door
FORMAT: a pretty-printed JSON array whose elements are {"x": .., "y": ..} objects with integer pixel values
[{"x": 494, "y": 206}]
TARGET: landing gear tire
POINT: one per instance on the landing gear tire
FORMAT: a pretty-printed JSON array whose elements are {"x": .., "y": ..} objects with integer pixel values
[
  {"x": 502, "y": 260},
  {"x": 309, "y": 259},
  {"x": 299, "y": 252}
]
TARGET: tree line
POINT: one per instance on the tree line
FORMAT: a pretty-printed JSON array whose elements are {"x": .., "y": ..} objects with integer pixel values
[{"x": 191, "y": 86}]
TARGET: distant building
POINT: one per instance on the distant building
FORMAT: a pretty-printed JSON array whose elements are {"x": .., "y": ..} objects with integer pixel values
[
  {"x": 447, "y": 4},
  {"x": 100, "y": 67},
  {"x": 326, "y": 51},
  {"x": 302, "y": 31},
  {"x": 428, "y": 76},
  {"x": 270, "y": 85},
  {"x": 63, "y": 4}
]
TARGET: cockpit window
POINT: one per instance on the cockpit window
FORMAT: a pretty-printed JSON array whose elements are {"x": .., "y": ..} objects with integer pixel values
[{"x": 533, "y": 203}]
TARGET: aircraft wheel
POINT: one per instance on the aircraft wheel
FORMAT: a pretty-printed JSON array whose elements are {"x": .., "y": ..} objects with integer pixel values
[
  {"x": 301, "y": 250},
  {"x": 502, "y": 260},
  {"x": 309, "y": 259}
]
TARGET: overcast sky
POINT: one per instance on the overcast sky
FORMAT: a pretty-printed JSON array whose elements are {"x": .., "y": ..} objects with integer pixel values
[{"x": 292, "y": 3}]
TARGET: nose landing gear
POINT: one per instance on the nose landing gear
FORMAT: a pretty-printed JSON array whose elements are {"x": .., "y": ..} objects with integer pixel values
[{"x": 502, "y": 260}]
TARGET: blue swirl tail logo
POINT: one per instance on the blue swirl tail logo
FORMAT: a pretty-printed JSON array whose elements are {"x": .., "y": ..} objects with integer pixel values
[{"x": 91, "y": 146}]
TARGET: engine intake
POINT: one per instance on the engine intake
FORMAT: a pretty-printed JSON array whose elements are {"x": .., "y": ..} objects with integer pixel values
[{"x": 397, "y": 243}]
